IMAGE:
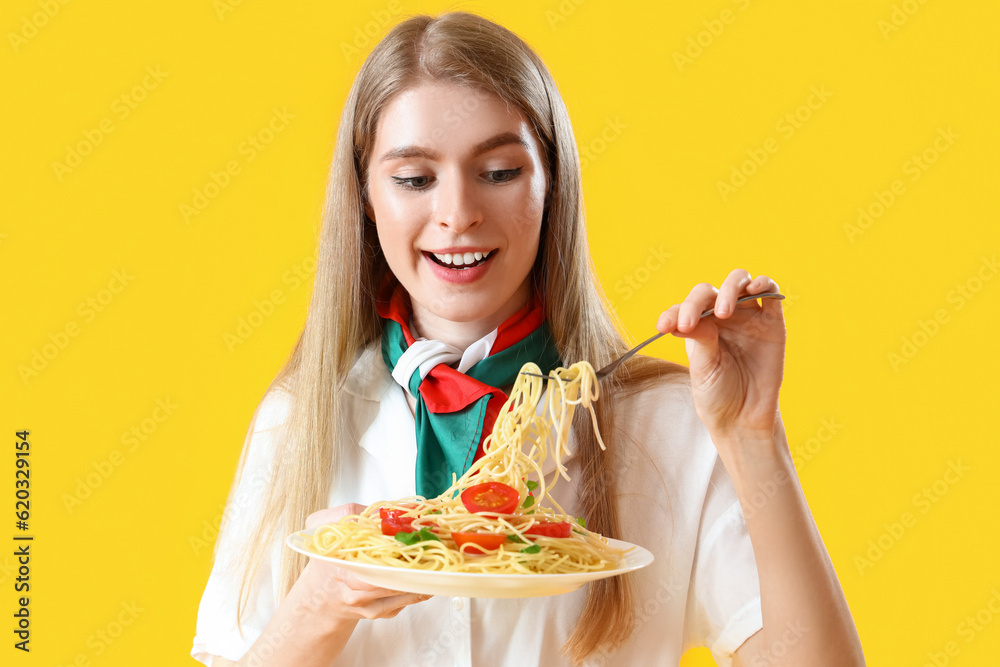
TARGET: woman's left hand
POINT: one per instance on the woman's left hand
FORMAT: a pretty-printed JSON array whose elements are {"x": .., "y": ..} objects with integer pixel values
[{"x": 736, "y": 356}]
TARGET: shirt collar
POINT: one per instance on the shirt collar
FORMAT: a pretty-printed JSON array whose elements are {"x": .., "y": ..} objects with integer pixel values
[{"x": 369, "y": 378}]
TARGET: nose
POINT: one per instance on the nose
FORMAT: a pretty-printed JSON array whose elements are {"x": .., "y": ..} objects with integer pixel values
[{"x": 458, "y": 206}]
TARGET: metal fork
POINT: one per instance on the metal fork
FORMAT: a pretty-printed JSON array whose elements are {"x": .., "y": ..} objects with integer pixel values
[{"x": 610, "y": 368}]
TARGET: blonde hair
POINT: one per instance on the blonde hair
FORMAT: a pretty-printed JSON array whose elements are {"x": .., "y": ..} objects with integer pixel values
[{"x": 469, "y": 50}]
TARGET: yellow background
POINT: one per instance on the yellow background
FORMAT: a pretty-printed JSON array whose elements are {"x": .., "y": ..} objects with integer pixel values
[{"x": 662, "y": 133}]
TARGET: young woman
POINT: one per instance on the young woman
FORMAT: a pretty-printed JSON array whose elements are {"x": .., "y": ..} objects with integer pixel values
[{"x": 453, "y": 250}]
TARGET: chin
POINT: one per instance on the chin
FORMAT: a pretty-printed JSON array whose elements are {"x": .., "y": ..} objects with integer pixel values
[{"x": 472, "y": 312}]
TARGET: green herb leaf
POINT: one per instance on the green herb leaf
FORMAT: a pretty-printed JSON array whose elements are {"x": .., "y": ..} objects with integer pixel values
[
  {"x": 528, "y": 502},
  {"x": 427, "y": 536},
  {"x": 532, "y": 484},
  {"x": 422, "y": 535},
  {"x": 580, "y": 521},
  {"x": 515, "y": 538},
  {"x": 533, "y": 549},
  {"x": 407, "y": 538}
]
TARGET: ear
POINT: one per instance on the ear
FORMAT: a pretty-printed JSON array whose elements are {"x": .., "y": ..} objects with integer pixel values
[{"x": 369, "y": 211}]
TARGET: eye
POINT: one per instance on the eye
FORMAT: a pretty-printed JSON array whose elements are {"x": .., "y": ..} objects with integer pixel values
[
  {"x": 411, "y": 182},
  {"x": 505, "y": 175},
  {"x": 496, "y": 176}
]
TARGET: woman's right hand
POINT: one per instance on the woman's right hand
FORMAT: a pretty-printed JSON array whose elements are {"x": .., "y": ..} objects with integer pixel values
[{"x": 339, "y": 596}]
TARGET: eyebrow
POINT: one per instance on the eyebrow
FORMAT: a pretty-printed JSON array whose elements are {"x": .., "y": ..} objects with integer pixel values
[{"x": 502, "y": 139}]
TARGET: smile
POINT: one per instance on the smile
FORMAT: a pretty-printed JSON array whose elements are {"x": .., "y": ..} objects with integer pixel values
[{"x": 461, "y": 261}]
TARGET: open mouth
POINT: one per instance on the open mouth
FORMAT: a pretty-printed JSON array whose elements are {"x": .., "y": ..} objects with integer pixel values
[{"x": 461, "y": 261}]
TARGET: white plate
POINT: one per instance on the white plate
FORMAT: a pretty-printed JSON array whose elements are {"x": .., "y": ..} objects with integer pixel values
[{"x": 475, "y": 585}]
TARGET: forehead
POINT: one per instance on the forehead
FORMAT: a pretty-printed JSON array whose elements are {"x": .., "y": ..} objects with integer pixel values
[{"x": 448, "y": 119}]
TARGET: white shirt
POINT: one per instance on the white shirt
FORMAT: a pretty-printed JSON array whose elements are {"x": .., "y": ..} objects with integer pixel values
[{"x": 679, "y": 502}]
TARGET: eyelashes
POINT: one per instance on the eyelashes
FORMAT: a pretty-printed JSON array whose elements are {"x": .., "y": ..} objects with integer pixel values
[
  {"x": 408, "y": 183},
  {"x": 411, "y": 182}
]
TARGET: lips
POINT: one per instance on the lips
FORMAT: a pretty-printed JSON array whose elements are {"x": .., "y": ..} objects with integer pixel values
[{"x": 460, "y": 274}]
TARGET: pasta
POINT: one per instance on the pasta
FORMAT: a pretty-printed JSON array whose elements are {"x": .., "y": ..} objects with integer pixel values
[{"x": 477, "y": 525}]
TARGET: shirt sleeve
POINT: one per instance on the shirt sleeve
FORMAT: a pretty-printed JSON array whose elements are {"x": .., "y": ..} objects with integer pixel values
[
  {"x": 216, "y": 632},
  {"x": 723, "y": 605}
]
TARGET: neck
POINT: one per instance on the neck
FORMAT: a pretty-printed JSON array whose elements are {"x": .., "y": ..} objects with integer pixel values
[{"x": 463, "y": 334}]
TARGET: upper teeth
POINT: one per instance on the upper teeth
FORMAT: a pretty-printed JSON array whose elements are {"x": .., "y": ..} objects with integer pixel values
[{"x": 460, "y": 259}]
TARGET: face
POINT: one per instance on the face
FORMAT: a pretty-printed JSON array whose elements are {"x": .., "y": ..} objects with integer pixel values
[{"x": 457, "y": 191}]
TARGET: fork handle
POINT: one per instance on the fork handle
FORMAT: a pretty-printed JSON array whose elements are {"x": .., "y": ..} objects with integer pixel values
[
  {"x": 607, "y": 370},
  {"x": 763, "y": 295}
]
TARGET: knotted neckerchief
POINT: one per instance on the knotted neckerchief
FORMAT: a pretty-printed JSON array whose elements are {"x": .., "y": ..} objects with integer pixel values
[{"x": 456, "y": 408}]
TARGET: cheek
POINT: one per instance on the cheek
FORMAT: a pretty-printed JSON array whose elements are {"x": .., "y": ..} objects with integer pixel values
[
  {"x": 523, "y": 238},
  {"x": 394, "y": 222},
  {"x": 528, "y": 224},
  {"x": 396, "y": 242}
]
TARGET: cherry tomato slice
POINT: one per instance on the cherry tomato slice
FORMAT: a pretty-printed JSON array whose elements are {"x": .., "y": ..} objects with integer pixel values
[
  {"x": 392, "y": 525},
  {"x": 480, "y": 541},
  {"x": 392, "y": 513},
  {"x": 550, "y": 529},
  {"x": 490, "y": 497}
]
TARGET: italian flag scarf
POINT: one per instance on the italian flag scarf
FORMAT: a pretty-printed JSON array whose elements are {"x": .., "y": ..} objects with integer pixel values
[{"x": 456, "y": 411}]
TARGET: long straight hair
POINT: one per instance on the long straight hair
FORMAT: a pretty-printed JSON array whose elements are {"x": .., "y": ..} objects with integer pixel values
[{"x": 469, "y": 50}]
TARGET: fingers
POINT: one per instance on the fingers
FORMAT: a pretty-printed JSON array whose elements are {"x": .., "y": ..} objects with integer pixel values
[
  {"x": 732, "y": 289},
  {"x": 701, "y": 297},
  {"x": 332, "y": 514},
  {"x": 393, "y": 605},
  {"x": 737, "y": 285},
  {"x": 763, "y": 284},
  {"x": 352, "y": 583},
  {"x": 326, "y": 589},
  {"x": 771, "y": 308},
  {"x": 374, "y": 604},
  {"x": 684, "y": 318},
  {"x": 388, "y": 607},
  {"x": 367, "y": 601},
  {"x": 355, "y": 584},
  {"x": 668, "y": 319}
]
